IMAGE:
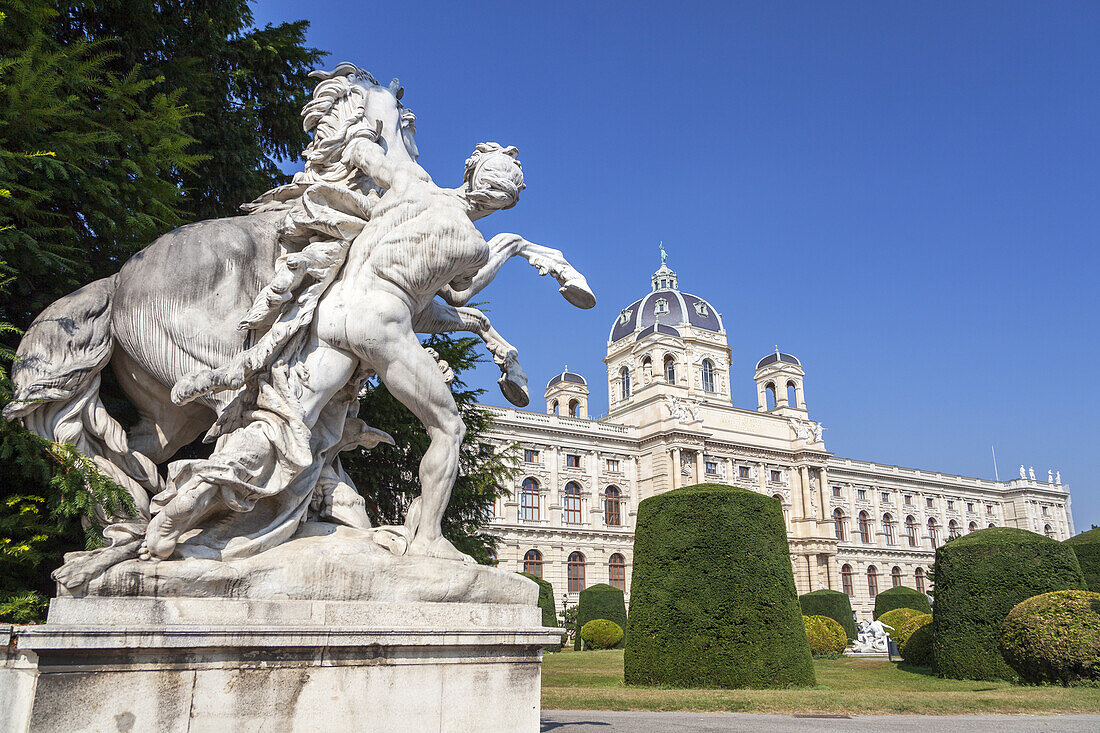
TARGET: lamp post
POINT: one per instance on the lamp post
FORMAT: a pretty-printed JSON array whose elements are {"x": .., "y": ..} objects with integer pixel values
[{"x": 565, "y": 612}]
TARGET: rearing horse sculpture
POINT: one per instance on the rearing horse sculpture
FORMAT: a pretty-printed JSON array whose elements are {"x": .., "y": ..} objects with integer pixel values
[{"x": 261, "y": 329}]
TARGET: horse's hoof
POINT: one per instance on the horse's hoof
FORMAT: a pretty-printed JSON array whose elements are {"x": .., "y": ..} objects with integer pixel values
[
  {"x": 513, "y": 392},
  {"x": 578, "y": 294}
]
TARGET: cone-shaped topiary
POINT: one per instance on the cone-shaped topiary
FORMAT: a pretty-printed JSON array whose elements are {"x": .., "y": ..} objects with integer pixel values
[
  {"x": 979, "y": 578},
  {"x": 901, "y": 597},
  {"x": 917, "y": 648},
  {"x": 831, "y": 603},
  {"x": 1087, "y": 548},
  {"x": 600, "y": 601},
  {"x": 546, "y": 603},
  {"x": 901, "y": 623},
  {"x": 713, "y": 602},
  {"x": 1054, "y": 637},
  {"x": 827, "y": 638},
  {"x": 601, "y": 634}
]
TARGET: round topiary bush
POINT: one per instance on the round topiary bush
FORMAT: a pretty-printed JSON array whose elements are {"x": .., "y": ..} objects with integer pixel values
[
  {"x": 827, "y": 638},
  {"x": 979, "y": 578},
  {"x": 601, "y": 634},
  {"x": 546, "y": 603},
  {"x": 600, "y": 601},
  {"x": 831, "y": 603},
  {"x": 1087, "y": 548},
  {"x": 901, "y": 597},
  {"x": 1054, "y": 637},
  {"x": 917, "y": 649},
  {"x": 901, "y": 623},
  {"x": 713, "y": 602}
]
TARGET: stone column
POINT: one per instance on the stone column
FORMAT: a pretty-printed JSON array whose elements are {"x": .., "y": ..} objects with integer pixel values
[
  {"x": 824, "y": 490},
  {"x": 804, "y": 474},
  {"x": 675, "y": 468},
  {"x": 761, "y": 477}
]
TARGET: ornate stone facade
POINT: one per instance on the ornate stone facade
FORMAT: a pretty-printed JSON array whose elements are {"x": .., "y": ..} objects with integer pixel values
[{"x": 671, "y": 423}]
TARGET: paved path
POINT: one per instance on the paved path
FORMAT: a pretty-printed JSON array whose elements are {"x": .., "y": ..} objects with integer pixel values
[{"x": 602, "y": 721}]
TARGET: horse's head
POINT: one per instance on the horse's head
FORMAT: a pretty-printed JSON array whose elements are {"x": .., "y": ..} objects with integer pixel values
[{"x": 344, "y": 97}]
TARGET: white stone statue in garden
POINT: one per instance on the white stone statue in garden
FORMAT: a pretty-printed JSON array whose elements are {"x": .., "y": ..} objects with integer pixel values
[
  {"x": 260, "y": 330},
  {"x": 872, "y": 637}
]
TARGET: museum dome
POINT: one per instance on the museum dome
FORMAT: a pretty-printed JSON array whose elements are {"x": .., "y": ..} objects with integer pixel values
[
  {"x": 665, "y": 310},
  {"x": 778, "y": 357},
  {"x": 567, "y": 376}
]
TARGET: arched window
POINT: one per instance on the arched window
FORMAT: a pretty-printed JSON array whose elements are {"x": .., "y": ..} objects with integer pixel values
[
  {"x": 933, "y": 533},
  {"x": 918, "y": 576},
  {"x": 555, "y": 408},
  {"x": 846, "y": 579},
  {"x": 953, "y": 530},
  {"x": 575, "y": 572},
  {"x": 838, "y": 524},
  {"x": 991, "y": 525},
  {"x": 529, "y": 501},
  {"x": 624, "y": 386},
  {"x": 792, "y": 394},
  {"x": 572, "y": 503},
  {"x": 1049, "y": 531},
  {"x": 574, "y": 408},
  {"x": 670, "y": 370},
  {"x": 786, "y": 518},
  {"x": 865, "y": 529},
  {"x": 769, "y": 396},
  {"x": 616, "y": 571},
  {"x": 890, "y": 529},
  {"x": 972, "y": 527},
  {"x": 612, "y": 516},
  {"x": 895, "y": 577},
  {"x": 708, "y": 375},
  {"x": 872, "y": 581},
  {"x": 532, "y": 563},
  {"x": 911, "y": 532}
]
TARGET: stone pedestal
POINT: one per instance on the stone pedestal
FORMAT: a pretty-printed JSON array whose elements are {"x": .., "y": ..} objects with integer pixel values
[{"x": 204, "y": 664}]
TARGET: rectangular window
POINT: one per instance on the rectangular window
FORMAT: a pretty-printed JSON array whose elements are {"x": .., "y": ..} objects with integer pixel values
[
  {"x": 712, "y": 468},
  {"x": 928, "y": 502},
  {"x": 908, "y": 500},
  {"x": 1044, "y": 511},
  {"x": 989, "y": 509},
  {"x": 572, "y": 507},
  {"x": 530, "y": 455},
  {"x": 776, "y": 477},
  {"x": 836, "y": 491},
  {"x": 743, "y": 471},
  {"x": 970, "y": 506},
  {"x": 612, "y": 465},
  {"x": 885, "y": 497},
  {"x": 950, "y": 505},
  {"x": 572, "y": 460},
  {"x": 861, "y": 494},
  {"x": 529, "y": 505}
]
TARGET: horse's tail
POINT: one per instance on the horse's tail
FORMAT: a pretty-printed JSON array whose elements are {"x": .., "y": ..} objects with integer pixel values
[{"x": 57, "y": 377}]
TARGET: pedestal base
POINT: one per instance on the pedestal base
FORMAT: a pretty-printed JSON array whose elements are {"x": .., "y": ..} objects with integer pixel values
[{"x": 201, "y": 664}]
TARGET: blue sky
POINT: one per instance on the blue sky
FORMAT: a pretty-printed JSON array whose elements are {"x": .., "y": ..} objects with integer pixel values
[{"x": 902, "y": 195}]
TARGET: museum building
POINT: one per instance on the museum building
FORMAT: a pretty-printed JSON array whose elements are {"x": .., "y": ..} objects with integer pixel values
[{"x": 852, "y": 525}]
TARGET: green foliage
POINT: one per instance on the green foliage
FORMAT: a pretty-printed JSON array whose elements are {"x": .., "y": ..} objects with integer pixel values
[
  {"x": 827, "y": 638},
  {"x": 713, "y": 602},
  {"x": 901, "y": 621},
  {"x": 901, "y": 597},
  {"x": 600, "y": 601},
  {"x": 601, "y": 633},
  {"x": 979, "y": 578},
  {"x": 1054, "y": 638},
  {"x": 386, "y": 475},
  {"x": 1087, "y": 548},
  {"x": 567, "y": 619},
  {"x": 546, "y": 603},
  {"x": 917, "y": 649},
  {"x": 831, "y": 603}
]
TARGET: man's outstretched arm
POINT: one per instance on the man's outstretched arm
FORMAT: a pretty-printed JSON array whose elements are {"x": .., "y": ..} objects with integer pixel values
[{"x": 365, "y": 153}]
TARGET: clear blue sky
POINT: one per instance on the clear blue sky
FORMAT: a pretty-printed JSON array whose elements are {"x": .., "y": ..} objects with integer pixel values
[{"x": 902, "y": 195}]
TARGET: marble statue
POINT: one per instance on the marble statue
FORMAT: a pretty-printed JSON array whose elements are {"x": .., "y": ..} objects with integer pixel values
[
  {"x": 1023, "y": 474},
  {"x": 1031, "y": 472},
  {"x": 872, "y": 638},
  {"x": 1050, "y": 476},
  {"x": 260, "y": 331},
  {"x": 1058, "y": 477},
  {"x": 682, "y": 410}
]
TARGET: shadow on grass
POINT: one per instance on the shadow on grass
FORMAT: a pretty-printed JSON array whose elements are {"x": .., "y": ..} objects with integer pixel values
[{"x": 915, "y": 669}]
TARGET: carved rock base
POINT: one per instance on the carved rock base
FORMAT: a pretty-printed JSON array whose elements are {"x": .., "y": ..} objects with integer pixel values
[{"x": 188, "y": 664}]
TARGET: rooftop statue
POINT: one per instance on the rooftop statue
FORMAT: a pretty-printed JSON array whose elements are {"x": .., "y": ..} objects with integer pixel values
[{"x": 260, "y": 330}]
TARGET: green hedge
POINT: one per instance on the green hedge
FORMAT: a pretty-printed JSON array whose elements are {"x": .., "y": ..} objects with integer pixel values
[
  {"x": 601, "y": 634},
  {"x": 901, "y": 620},
  {"x": 979, "y": 578},
  {"x": 600, "y": 601},
  {"x": 712, "y": 597},
  {"x": 901, "y": 597},
  {"x": 546, "y": 603},
  {"x": 1087, "y": 548},
  {"x": 917, "y": 649},
  {"x": 827, "y": 638},
  {"x": 1054, "y": 637},
  {"x": 831, "y": 603}
]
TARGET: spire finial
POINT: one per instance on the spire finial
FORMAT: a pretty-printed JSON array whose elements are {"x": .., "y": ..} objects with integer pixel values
[
  {"x": 661, "y": 249},
  {"x": 777, "y": 349}
]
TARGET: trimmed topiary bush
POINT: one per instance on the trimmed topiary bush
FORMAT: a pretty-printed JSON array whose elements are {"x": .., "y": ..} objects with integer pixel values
[
  {"x": 827, "y": 638},
  {"x": 917, "y": 649},
  {"x": 979, "y": 578},
  {"x": 1054, "y": 637},
  {"x": 601, "y": 634},
  {"x": 901, "y": 597},
  {"x": 1087, "y": 548},
  {"x": 831, "y": 603},
  {"x": 546, "y": 603},
  {"x": 713, "y": 602},
  {"x": 901, "y": 620},
  {"x": 600, "y": 601}
]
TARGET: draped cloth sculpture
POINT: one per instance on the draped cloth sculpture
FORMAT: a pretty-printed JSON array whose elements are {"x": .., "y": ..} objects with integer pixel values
[{"x": 260, "y": 331}]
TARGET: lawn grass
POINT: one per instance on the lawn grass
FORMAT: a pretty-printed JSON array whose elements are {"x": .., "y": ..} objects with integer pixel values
[{"x": 594, "y": 681}]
